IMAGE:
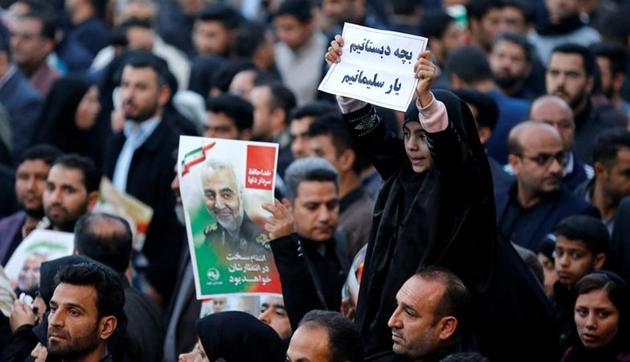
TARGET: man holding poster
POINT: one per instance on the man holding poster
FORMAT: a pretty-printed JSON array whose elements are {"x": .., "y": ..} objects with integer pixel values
[{"x": 436, "y": 205}]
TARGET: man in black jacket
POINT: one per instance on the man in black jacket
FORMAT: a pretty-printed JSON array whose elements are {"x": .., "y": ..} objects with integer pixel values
[
  {"x": 308, "y": 251},
  {"x": 140, "y": 162}
]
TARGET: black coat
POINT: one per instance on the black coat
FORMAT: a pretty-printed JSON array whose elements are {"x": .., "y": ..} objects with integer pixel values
[
  {"x": 446, "y": 220},
  {"x": 149, "y": 179},
  {"x": 310, "y": 280}
]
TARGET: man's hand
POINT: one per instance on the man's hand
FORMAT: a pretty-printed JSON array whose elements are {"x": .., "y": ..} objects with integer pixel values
[
  {"x": 333, "y": 55},
  {"x": 281, "y": 222},
  {"x": 20, "y": 315},
  {"x": 425, "y": 72}
]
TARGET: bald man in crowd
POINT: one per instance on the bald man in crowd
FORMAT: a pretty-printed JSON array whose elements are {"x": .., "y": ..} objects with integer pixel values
[
  {"x": 556, "y": 112},
  {"x": 533, "y": 204}
]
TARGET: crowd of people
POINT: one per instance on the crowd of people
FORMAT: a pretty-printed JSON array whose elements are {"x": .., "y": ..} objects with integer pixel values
[{"x": 489, "y": 222}]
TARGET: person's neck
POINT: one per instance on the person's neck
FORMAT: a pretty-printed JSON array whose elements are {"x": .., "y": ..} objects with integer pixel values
[
  {"x": 28, "y": 69},
  {"x": 581, "y": 107},
  {"x": 484, "y": 85},
  {"x": 95, "y": 355},
  {"x": 81, "y": 14},
  {"x": 527, "y": 198},
  {"x": 349, "y": 181},
  {"x": 616, "y": 101},
  {"x": 604, "y": 203}
]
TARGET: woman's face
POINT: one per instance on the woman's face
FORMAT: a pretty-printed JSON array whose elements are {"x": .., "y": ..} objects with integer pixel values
[
  {"x": 196, "y": 355},
  {"x": 88, "y": 109},
  {"x": 596, "y": 318}
]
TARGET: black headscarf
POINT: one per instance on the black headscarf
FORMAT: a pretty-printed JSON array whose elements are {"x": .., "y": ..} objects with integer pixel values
[
  {"x": 239, "y": 337},
  {"x": 58, "y": 120}
]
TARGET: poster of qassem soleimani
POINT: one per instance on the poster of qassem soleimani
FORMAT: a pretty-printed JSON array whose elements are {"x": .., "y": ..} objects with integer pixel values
[{"x": 223, "y": 184}]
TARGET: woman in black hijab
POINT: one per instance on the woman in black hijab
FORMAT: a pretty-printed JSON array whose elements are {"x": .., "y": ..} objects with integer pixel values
[
  {"x": 70, "y": 118},
  {"x": 239, "y": 337}
]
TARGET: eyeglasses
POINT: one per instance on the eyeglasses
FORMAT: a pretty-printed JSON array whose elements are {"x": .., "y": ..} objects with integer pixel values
[{"x": 545, "y": 159}]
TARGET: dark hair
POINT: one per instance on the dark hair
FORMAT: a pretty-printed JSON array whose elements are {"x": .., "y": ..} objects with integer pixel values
[
  {"x": 280, "y": 96},
  {"x": 48, "y": 21},
  {"x": 588, "y": 229},
  {"x": 223, "y": 76},
  {"x": 313, "y": 109},
  {"x": 44, "y": 152},
  {"x": 618, "y": 292},
  {"x": 470, "y": 64},
  {"x": 144, "y": 59},
  {"x": 135, "y": 22},
  {"x": 229, "y": 17},
  {"x": 105, "y": 238},
  {"x": 91, "y": 175},
  {"x": 608, "y": 143},
  {"x": 336, "y": 128},
  {"x": 456, "y": 298},
  {"x": 526, "y": 8},
  {"x": 299, "y": 9},
  {"x": 487, "y": 109},
  {"x": 344, "y": 340},
  {"x": 520, "y": 40},
  {"x": 616, "y": 54},
  {"x": 240, "y": 111},
  {"x": 110, "y": 296},
  {"x": 434, "y": 22},
  {"x": 477, "y": 9},
  {"x": 5, "y": 45},
  {"x": 616, "y": 287},
  {"x": 249, "y": 37},
  {"x": 308, "y": 169},
  {"x": 588, "y": 60}
]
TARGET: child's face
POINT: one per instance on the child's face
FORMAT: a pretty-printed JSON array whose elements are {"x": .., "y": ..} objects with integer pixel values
[{"x": 573, "y": 260}]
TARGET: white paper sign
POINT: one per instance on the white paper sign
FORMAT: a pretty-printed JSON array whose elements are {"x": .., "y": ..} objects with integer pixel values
[{"x": 376, "y": 67}]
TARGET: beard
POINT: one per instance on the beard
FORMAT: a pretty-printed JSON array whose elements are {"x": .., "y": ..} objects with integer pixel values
[
  {"x": 76, "y": 350},
  {"x": 234, "y": 225},
  {"x": 508, "y": 82}
]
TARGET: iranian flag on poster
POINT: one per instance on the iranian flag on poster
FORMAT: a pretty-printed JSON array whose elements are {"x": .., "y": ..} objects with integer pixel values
[{"x": 223, "y": 184}]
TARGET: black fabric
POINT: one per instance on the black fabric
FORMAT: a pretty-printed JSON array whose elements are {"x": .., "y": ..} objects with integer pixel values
[
  {"x": 145, "y": 329},
  {"x": 8, "y": 202},
  {"x": 528, "y": 227},
  {"x": 20, "y": 345},
  {"x": 309, "y": 280},
  {"x": 448, "y": 219},
  {"x": 239, "y": 337},
  {"x": 620, "y": 241},
  {"x": 58, "y": 121},
  {"x": 149, "y": 180},
  {"x": 591, "y": 122},
  {"x": 565, "y": 26}
]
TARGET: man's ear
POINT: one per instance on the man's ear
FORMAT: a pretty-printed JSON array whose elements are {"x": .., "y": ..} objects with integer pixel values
[
  {"x": 278, "y": 115},
  {"x": 599, "y": 168},
  {"x": 515, "y": 162},
  {"x": 456, "y": 81},
  {"x": 448, "y": 326},
  {"x": 484, "y": 134},
  {"x": 590, "y": 83},
  {"x": 346, "y": 159},
  {"x": 92, "y": 198},
  {"x": 164, "y": 95},
  {"x": 107, "y": 327},
  {"x": 599, "y": 261}
]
